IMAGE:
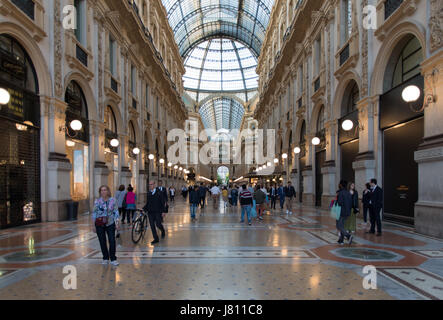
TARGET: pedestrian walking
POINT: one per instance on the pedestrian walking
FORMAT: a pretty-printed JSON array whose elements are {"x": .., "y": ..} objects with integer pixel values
[
  {"x": 120, "y": 197},
  {"x": 344, "y": 200},
  {"x": 194, "y": 201},
  {"x": 105, "y": 220},
  {"x": 351, "y": 221},
  {"x": 245, "y": 197},
  {"x": 234, "y": 196},
  {"x": 202, "y": 191},
  {"x": 215, "y": 192},
  {"x": 289, "y": 196},
  {"x": 130, "y": 200},
  {"x": 365, "y": 201},
  {"x": 260, "y": 200},
  {"x": 375, "y": 207},
  {"x": 155, "y": 207}
]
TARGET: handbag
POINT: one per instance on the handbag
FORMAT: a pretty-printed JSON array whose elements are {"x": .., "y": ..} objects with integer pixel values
[
  {"x": 335, "y": 211},
  {"x": 101, "y": 221}
]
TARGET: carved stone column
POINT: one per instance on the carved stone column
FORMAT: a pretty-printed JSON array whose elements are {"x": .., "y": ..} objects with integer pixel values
[
  {"x": 101, "y": 170},
  {"x": 308, "y": 174},
  {"x": 58, "y": 188},
  {"x": 429, "y": 156},
  {"x": 329, "y": 170}
]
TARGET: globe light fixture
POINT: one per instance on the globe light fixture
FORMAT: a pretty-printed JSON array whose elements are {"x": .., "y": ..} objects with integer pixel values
[
  {"x": 169, "y": 164},
  {"x": 70, "y": 143},
  {"x": 347, "y": 125},
  {"x": 151, "y": 157},
  {"x": 136, "y": 151},
  {"x": 297, "y": 150},
  {"x": 4, "y": 96},
  {"x": 269, "y": 164},
  {"x": 411, "y": 94},
  {"x": 316, "y": 141},
  {"x": 275, "y": 160},
  {"x": 162, "y": 161},
  {"x": 181, "y": 169},
  {"x": 115, "y": 143},
  {"x": 284, "y": 156},
  {"x": 76, "y": 125},
  {"x": 175, "y": 167}
]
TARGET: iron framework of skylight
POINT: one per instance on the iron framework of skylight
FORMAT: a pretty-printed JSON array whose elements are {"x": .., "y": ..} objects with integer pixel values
[{"x": 222, "y": 113}]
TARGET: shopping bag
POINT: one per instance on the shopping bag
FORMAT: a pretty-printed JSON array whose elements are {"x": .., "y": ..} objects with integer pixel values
[{"x": 335, "y": 211}]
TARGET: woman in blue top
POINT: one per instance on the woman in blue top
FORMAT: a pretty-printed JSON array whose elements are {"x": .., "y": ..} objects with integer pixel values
[{"x": 105, "y": 218}]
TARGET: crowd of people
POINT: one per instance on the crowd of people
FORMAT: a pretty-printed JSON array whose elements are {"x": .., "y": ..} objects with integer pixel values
[{"x": 109, "y": 212}]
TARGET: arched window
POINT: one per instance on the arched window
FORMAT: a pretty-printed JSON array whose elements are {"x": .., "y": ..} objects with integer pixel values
[
  {"x": 321, "y": 119},
  {"x": 350, "y": 98},
  {"x": 132, "y": 136},
  {"x": 110, "y": 121},
  {"x": 77, "y": 109},
  {"x": 303, "y": 133},
  {"x": 17, "y": 67},
  {"x": 408, "y": 63}
]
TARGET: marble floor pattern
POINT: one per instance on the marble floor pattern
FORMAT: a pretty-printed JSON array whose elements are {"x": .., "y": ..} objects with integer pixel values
[{"x": 284, "y": 257}]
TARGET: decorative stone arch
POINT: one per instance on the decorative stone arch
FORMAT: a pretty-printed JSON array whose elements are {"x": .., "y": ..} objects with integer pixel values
[
  {"x": 218, "y": 95},
  {"x": 287, "y": 138},
  {"x": 347, "y": 78},
  {"x": 396, "y": 35},
  {"x": 297, "y": 131},
  {"x": 136, "y": 129},
  {"x": 311, "y": 127},
  {"x": 118, "y": 117},
  {"x": 87, "y": 92},
  {"x": 34, "y": 53}
]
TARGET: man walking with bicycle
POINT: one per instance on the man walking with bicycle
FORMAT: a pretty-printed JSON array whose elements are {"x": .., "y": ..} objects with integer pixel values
[{"x": 155, "y": 207}]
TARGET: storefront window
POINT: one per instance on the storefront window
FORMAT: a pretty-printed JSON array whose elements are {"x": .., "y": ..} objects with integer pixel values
[{"x": 78, "y": 156}]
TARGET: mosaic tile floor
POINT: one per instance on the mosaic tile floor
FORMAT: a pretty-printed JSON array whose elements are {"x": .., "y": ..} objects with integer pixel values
[{"x": 283, "y": 257}]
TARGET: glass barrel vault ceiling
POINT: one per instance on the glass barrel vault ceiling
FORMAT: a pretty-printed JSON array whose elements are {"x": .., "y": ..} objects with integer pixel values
[
  {"x": 220, "y": 65},
  {"x": 222, "y": 113},
  {"x": 220, "y": 42},
  {"x": 195, "y": 20}
]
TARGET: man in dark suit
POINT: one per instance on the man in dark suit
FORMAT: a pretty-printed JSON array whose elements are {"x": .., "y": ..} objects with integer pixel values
[
  {"x": 375, "y": 206},
  {"x": 202, "y": 191},
  {"x": 155, "y": 206},
  {"x": 273, "y": 194}
]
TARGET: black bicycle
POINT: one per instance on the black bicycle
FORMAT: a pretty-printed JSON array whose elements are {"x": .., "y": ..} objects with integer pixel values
[{"x": 139, "y": 226}]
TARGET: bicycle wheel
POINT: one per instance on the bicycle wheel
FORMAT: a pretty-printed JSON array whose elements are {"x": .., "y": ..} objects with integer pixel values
[
  {"x": 145, "y": 224},
  {"x": 137, "y": 230}
]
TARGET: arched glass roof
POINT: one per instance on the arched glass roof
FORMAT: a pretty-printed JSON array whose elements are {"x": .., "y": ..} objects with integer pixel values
[
  {"x": 220, "y": 65},
  {"x": 195, "y": 20},
  {"x": 222, "y": 113}
]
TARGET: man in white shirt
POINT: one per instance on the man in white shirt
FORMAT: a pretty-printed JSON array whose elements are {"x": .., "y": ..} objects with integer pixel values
[{"x": 215, "y": 191}]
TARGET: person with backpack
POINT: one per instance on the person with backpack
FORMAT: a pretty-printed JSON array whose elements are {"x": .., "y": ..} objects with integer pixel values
[
  {"x": 245, "y": 203},
  {"x": 120, "y": 197},
  {"x": 130, "y": 200},
  {"x": 289, "y": 192}
]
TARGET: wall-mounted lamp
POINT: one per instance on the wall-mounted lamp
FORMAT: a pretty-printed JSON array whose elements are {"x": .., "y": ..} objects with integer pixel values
[
  {"x": 169, "y": 164},
  {"x": 297, "y": 150},
  {"x": 316, "y": 141},
  {"x": 276, "y": 160},
  {"x": 151, "y": 157},
  {"x": 136, "y": 151},
  {"x": 4, "y": 96},
  {"x": 162, "y": 161},
  {"x": 284, "y": 156},
  {"x": 75, "y": 125},
  {"x": 175, "y": 167},
  {"x": 269, "y": 164},
  {"x": 70, "y": 143},
  {"x": 348, "y": 125},
  {"x": 181, "y": 169},
  {"x": 115, "y": 143},
  {"x": 412, "y": 93}
]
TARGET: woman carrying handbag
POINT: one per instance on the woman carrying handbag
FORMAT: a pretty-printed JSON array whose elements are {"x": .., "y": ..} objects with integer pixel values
[
  {"x": 105, "y": 219},
  {"x": 351, "y": 221}
]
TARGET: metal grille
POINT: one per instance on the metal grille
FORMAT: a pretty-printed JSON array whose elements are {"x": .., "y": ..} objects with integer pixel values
[
  {"x": 82, "y": 56},
  {"x": 391, "y": 6},
  {"x": 19, "y": 174},
  {"x": 27, "y": 6}
]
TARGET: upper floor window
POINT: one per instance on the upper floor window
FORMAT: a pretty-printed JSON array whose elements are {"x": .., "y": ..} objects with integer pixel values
[
  {"x": 110, "y": 122},
  {"x": 350, "y": 98},
  {"x": 300, "y": 78},
  {"x": 317, "y": 52},
  {"x": 147, "y": 96},
  {"x": 346, "y": 20},
  {"x": 80, "y": 31},
  {"x": 112, "y": 56},
  {"x": 133, "y": 80}
]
